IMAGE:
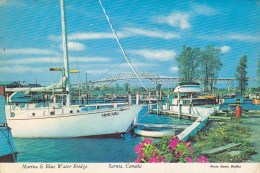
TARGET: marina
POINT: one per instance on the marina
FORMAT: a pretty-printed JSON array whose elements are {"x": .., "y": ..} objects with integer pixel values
[{"x": 144, "y": 82}]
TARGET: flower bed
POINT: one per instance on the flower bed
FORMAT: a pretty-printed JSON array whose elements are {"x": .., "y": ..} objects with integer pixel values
[{"x": 167, "y": 150}]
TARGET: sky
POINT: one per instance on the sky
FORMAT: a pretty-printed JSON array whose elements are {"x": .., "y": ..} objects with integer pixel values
[{"x": 152, "y": 34}]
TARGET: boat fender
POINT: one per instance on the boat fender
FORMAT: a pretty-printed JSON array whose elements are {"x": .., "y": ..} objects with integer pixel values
[
  {"x": 12, "y": 114},
  {"x": 33, "y": 114},
  {"x": 71, "y": 111},
  {"x": 52, "y": 112}
]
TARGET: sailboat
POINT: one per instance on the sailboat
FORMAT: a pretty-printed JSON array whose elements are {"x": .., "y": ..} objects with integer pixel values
[
  {"x": 7, "y": 147},
  {"x": 66, "y": 120}
]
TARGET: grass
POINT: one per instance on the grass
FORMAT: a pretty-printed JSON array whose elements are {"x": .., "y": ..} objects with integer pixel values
[{"x": 219, "y": 135}]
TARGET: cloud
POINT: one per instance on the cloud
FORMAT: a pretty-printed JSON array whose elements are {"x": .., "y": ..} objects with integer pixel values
[
  {"x": 127, "y": 32},
  {"x": 174, "y": 69},
  {"x": 225, "y": 49},
  {"x": 90, "y": 36},
  {"x": 96, "y": 71},
  {"x": 75, "y": 46},
  {"x": 237, "y": 37},
  {"x": 242, "y": 37},
  {"x": 18, "y": 69},
  {"x": 54, "y": 60},
  {"x": 138, "y": 64},
  {"x": 36, "y": 60},
  {"x": 176, "y": 19},
  {"x": 203, "y": 9},
  {"x": 89, "y": 59},
  {"x": 27, "y": 51},
  {"x": 124, "y": 33},
  {"x": 161, "y": 55}
]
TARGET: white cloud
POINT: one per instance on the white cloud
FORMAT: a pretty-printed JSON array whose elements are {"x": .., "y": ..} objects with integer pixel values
[
  {"x": 54, "y": 60},
  {"x": 176, "y": 19},
  {"x": 161, "y": 55},
  {"x": 225, "y": 49},
  {"x": 174, "y": 69},
  {"x": 75, "y": 46},
  {"x": 89, "y": 59},
  {"x": 18, "y": 69},
  {"x": 90, "y": 36},
  {"x": 124, "y": 33},
  {"x": 36, "y": 60},
  {"x": 203, "y": 9},
  {"x": 138, "y": 64},
  {"x": 96, "y": 71},
  {"x": 237, "y": 37},
  {"x": 127, "y": 32},
  {"x": 243, "y": 37},
  {"x": 27, "y": 51}
]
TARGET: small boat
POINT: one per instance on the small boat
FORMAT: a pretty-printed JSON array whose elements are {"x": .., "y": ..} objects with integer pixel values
[
  {"x": 154, "y": 133},
  {"x": 7, "y": 147}
]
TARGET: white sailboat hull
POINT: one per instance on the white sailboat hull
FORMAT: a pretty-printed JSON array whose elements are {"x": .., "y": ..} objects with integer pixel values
[{"x": 78, "y": 124}]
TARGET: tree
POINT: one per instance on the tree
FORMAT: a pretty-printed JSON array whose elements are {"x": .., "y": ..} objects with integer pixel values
[
  {"x": 210, "y": 64},
  {"x": 241, "y": 74},
  {"x": 258, "y": 69},
  {"x": 126, "y": 86},
  {"x": 188, "y": 63}
]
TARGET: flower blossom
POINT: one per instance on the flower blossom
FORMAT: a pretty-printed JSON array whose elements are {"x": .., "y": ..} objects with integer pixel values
[
  {"x": 153, "y": 160},
  {"x": 148, "y": 141},
  {"x": 203, "y": 159},
  {"x": 138, "y": 160},
  {"x": 188, "y": 159},
  {"x": 138, "y": 148},
  {"x": 173, "y": 144}
]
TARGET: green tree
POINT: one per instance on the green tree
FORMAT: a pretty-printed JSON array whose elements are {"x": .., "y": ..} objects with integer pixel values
[
  {"x": 258, "y": 69},
  {"x": 188, "y": 63},
  {"x": 210, "y": 65},
  {"x": 241, "y": 74},
  {"x": 126, "y": 86}
]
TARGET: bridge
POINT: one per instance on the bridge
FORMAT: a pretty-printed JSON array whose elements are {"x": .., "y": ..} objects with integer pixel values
[{"x": 159, "y": 79}]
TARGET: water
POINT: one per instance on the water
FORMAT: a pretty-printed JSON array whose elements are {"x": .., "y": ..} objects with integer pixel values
[
  {"x": 86, "y": 149},
  {"x": 246, "y": 105}
]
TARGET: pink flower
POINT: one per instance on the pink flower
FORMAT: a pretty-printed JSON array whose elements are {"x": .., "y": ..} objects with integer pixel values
[
  {"x": 188, "y": 159},
  {"x": 203, "y": 159},
  {"x": 139, "y": 147},
  {"x": 153, "y": 160},
  {"x": 148, "y": 141},
  {"x": 141, "y": 155},
  {"x": 138, "y": 160},
  {"x": 173, "y": 144}
]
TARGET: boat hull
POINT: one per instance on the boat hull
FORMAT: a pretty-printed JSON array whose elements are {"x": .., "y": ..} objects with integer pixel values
[
  {"x": 7, "y": 147},
  {"x": 79, "y": 124},
  {"x": 154, "y": 134}
]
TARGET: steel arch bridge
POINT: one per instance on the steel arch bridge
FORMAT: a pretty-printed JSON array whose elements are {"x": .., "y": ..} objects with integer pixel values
[
  {"x": 158, "y": 79},
  {"x": 155, "y": 79}
]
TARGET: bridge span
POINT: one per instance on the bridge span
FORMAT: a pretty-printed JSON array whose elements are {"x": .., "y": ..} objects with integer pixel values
[{"x": 158, "y": 79}]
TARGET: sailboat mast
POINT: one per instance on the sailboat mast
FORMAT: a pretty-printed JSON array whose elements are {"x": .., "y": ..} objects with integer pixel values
[{"x": 65, "y": 52}]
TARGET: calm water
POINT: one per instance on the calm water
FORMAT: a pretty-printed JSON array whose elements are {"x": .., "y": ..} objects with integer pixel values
[{"x": 86, "y": 149}]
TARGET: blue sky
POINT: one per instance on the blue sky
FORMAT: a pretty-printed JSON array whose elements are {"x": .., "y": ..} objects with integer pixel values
[{"x": 151, "y": 32}]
